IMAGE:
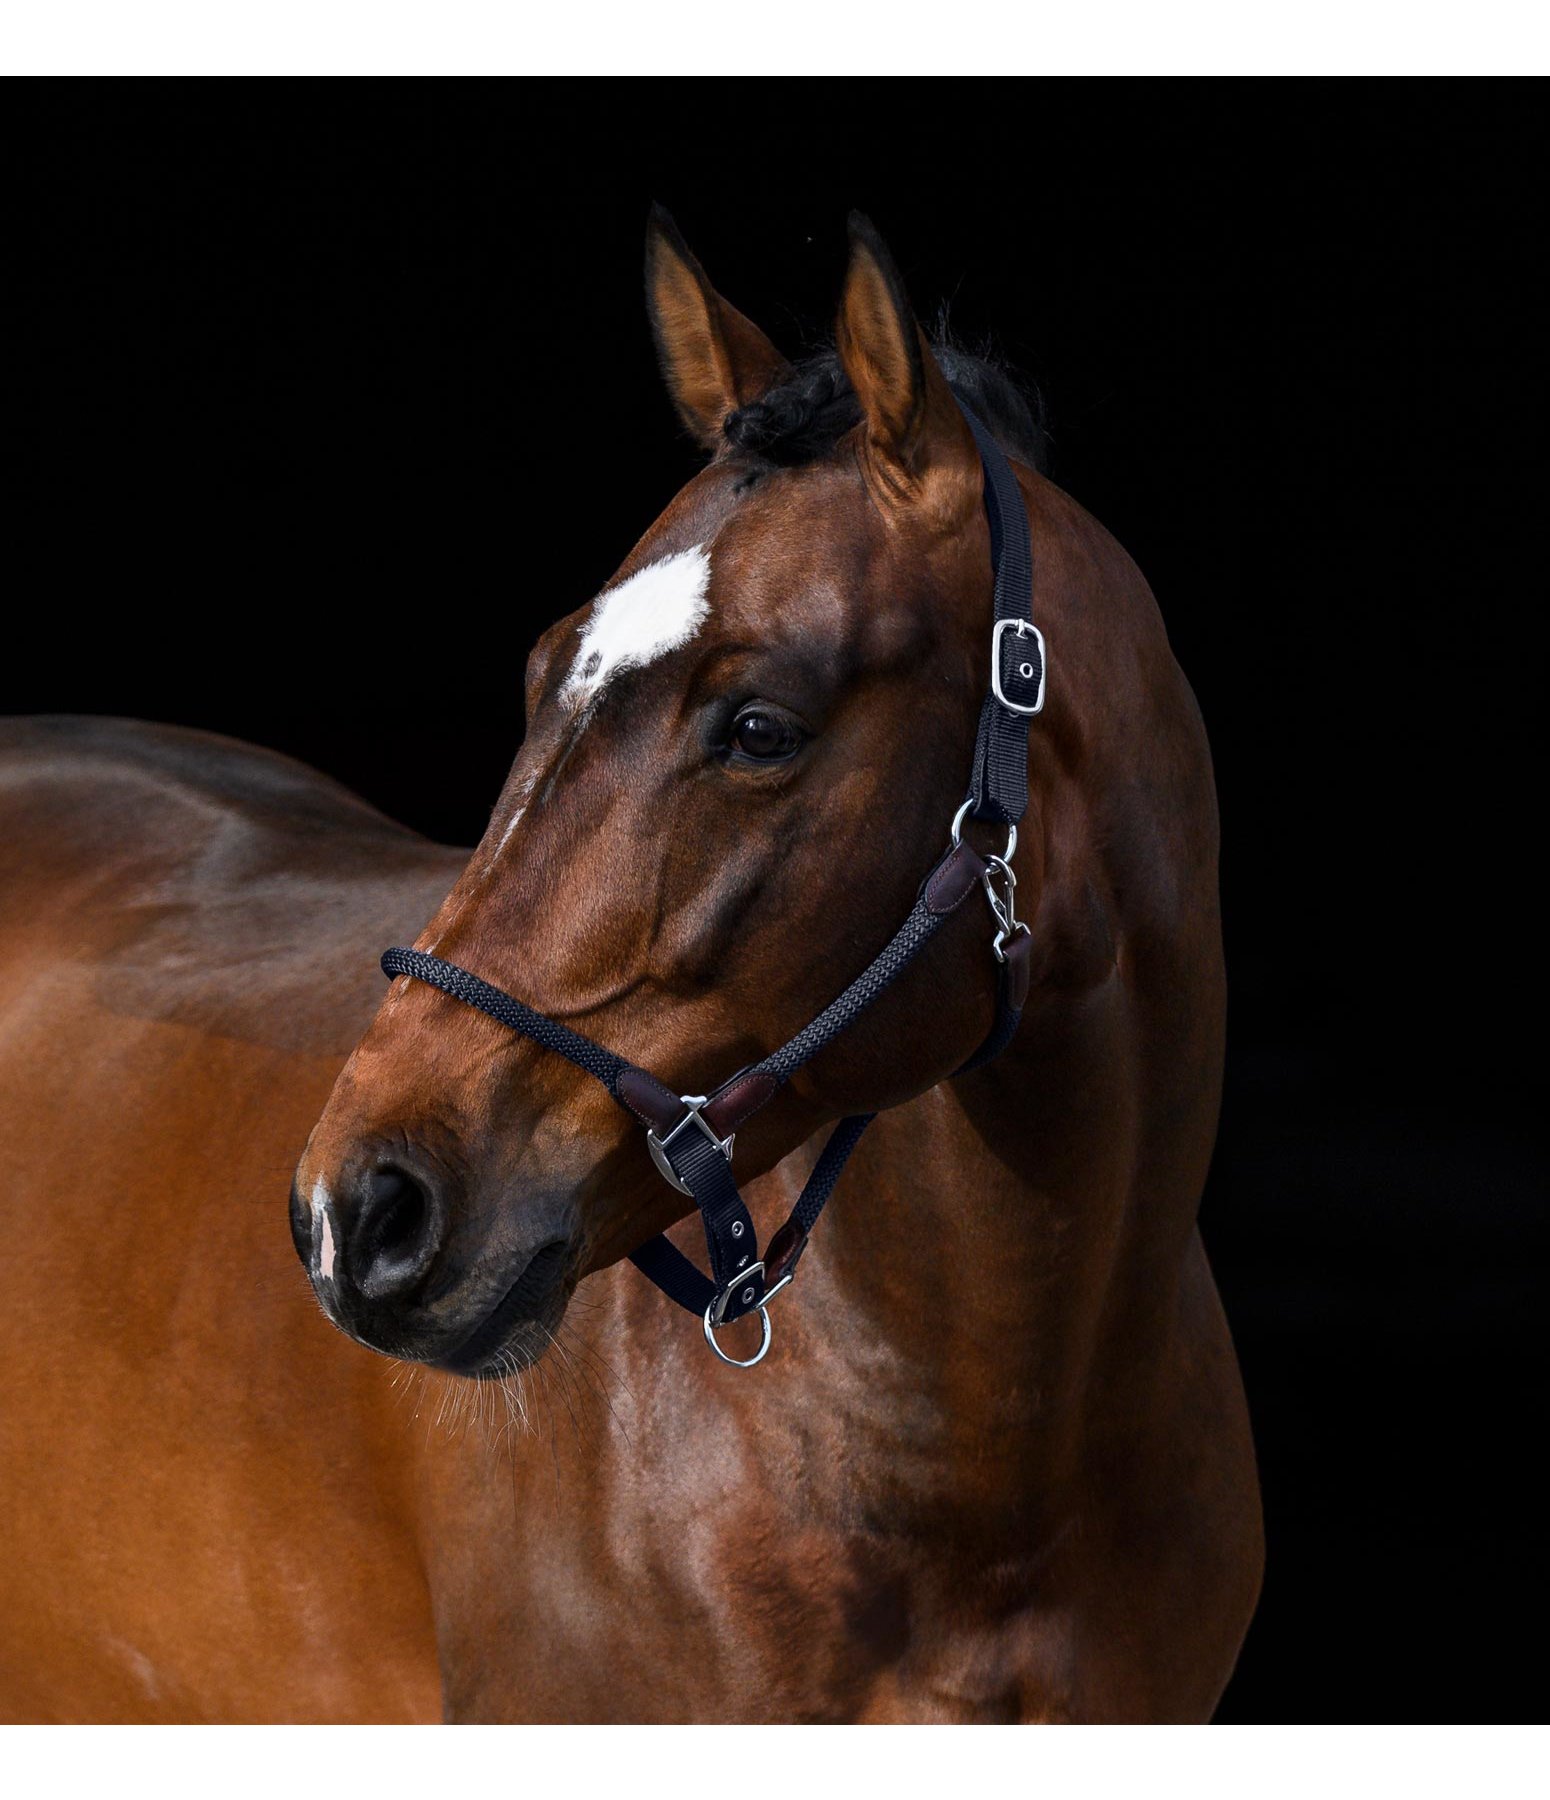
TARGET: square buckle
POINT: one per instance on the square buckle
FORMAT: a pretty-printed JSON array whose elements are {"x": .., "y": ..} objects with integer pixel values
[
  {"x": 1023, "y": 630},
  {"x": 693, "y": 1117},
  {"x": 743, "y": 1282}
]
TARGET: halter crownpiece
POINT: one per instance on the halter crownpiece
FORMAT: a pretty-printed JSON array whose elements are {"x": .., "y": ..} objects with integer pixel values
[{"x": 690, "y": 1136}]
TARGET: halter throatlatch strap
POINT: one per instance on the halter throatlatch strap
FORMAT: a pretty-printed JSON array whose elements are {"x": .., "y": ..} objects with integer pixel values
[{"x": 690, "y": 1136}]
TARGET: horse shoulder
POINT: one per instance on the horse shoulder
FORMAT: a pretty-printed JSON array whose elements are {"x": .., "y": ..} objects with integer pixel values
[{"x": 189, "y": 930}]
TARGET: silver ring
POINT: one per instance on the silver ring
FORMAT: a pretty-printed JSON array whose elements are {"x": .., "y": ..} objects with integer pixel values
[
  {"x": 732, "y": 1361},
  {"x": 1011, "y": 835}
]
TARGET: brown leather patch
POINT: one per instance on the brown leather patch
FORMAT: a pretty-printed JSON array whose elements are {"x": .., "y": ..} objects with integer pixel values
[
  {"x": 954, "y": 881},
  {"x": 740, "y": 1099},
  {"x": 651, "y": 1103},
  {"x": 784, "y": 1253},
  {"x": 1018, "y": 970}
]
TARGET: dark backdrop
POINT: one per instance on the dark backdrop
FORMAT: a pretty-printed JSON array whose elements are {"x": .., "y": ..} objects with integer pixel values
[{"x": 314, "y": 392}]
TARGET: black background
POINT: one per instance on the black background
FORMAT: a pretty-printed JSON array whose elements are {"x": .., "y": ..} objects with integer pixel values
[{"x": 322, "y": 400}]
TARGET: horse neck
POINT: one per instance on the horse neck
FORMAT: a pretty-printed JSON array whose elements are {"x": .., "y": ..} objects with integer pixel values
[
  {"x": 1009, "y": 1257},
  {"x": 961, "y": 1277}
]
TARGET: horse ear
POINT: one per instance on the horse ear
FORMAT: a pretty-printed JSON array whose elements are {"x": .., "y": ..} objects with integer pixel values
[
  {"x": 914, "y": 426},
  {"x": 713, "y": 359}
]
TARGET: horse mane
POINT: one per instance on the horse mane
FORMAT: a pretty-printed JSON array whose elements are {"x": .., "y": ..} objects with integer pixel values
[{"x": 808, "y": 413}]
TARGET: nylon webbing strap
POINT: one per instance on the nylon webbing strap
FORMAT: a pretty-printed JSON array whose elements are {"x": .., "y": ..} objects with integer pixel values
[
  {"x": 826, "y": 1171},
  {"x": 729, "y": 1233},
  {"x": 680, "y": 1280},
  {"x": 998, "y": 781}
]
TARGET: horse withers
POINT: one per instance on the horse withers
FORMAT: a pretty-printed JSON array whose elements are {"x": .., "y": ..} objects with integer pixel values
[{"x": 997, "y": 1465}]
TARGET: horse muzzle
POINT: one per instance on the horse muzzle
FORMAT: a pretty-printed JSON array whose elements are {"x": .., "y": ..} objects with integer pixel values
[{"x": 393, "y": 1269}]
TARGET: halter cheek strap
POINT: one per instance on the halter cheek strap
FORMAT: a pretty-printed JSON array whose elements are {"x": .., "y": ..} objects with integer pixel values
[{"x": 690, "y": 1136}]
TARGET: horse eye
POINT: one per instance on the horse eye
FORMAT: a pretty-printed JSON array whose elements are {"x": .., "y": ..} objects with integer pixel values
[{"x": 763, "y": 738}]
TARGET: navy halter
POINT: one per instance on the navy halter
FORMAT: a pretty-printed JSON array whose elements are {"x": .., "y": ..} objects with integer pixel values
[{"x": 690, "y": 1136}]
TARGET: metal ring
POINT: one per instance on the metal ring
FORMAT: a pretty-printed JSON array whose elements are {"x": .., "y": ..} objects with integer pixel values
[
  {"x": 732, "y": 1361},
  {"x": 1011, "y": 835}
]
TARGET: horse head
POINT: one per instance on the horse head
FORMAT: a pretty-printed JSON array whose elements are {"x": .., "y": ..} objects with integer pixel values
[{"x": 741, "y": 758}]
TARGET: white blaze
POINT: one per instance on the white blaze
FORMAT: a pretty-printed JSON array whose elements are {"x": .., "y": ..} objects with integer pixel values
[
  {"x": 658, "y": 609},
  {"x": 524, "y": 794},
  {"x": 320, "y": 1198}
]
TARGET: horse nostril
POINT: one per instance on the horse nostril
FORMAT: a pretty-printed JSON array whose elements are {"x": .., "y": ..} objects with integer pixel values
[
  {"x": 395, "y": 1237},
  {"x": 400, "y": 1212},
  {"x": 301, "y": 1225}
]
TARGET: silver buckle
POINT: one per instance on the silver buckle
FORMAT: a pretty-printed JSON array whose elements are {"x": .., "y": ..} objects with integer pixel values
[
  {"x": 693, "y": 1117},
  {"x": 716, "y": 1313},
  {"x": 1023, "y": 629}
]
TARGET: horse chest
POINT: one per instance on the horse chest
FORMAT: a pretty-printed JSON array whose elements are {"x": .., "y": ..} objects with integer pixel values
[{"x": 702, "y": 1573}]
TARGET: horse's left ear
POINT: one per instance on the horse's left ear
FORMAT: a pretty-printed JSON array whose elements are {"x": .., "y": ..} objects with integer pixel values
[
  {"x": 713, "y": 359},
  {"x": 915, "y": 429}
]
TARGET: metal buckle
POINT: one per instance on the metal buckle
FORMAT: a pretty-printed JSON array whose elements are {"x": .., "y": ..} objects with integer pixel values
[
  {"x": 716, "y": 1313},
  {"x": 1023, "y": 629},
  {"x": 1004, "y": 910},
  {"x": 693, "y": 1117}
]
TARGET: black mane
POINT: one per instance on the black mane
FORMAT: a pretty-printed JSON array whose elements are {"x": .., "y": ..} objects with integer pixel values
[{"x": 807, "y": 415}]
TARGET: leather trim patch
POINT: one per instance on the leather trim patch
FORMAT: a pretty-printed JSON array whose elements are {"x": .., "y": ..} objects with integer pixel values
[
  {"x": 1018, "y": 970},
  {"x": 651, "y": 1103},
  {"x": 785, "y": 1252},
  {"x": 739, "y": 1099},
  {"x": 954, "y": 880}
]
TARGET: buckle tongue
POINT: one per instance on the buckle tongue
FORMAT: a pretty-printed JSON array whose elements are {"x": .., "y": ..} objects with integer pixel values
[{"x": 695, "y": 1118}]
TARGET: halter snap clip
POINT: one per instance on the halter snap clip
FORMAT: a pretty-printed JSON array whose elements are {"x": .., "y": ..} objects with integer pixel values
[{"x": 1003, "y": 906}]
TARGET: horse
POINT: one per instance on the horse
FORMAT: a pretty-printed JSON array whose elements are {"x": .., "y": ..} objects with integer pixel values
[{"x": 998, "y": 1464}]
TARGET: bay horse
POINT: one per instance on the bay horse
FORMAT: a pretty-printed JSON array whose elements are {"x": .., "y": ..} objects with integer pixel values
[{"x": 997, "y": 1465}]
